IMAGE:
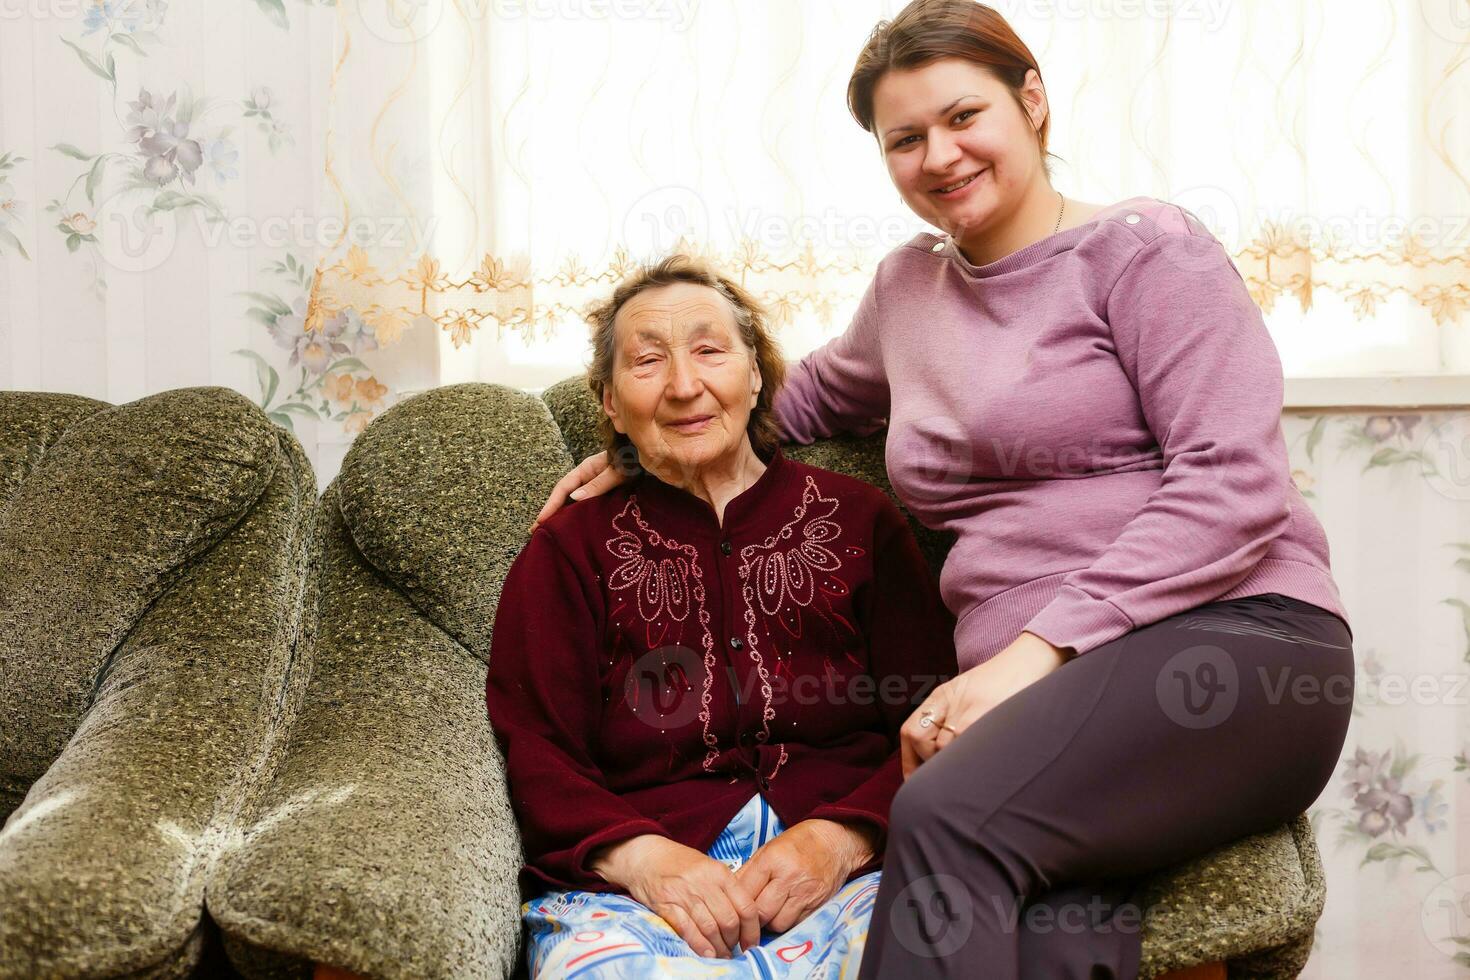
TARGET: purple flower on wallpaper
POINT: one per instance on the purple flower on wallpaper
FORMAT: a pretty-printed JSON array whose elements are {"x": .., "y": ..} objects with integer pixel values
[
  {"x": 163, "y": 139},
  {"x": 1382, "y": 427},
  {"x": 289, "y": 331},
  {"x": 1377, "y": 796},
  {"x": 339, "y": 334}
]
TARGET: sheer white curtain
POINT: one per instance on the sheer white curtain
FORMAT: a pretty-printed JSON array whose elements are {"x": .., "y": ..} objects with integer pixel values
[{"x": 555, "y": 143}]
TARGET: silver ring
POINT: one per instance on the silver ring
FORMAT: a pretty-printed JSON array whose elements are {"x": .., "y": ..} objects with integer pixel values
[{"x": 926, "y": 722}]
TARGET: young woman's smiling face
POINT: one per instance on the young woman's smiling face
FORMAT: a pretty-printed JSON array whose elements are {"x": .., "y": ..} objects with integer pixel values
[{"x": 959, "y": 149}]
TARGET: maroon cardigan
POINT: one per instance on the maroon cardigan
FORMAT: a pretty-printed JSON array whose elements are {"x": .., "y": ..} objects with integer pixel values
[{"x": 651, "y": 671}]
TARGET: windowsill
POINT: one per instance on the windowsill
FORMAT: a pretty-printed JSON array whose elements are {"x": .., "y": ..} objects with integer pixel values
[
  {"x": 1443, "y": 392},
  {"x": 1433, "y": 391}
]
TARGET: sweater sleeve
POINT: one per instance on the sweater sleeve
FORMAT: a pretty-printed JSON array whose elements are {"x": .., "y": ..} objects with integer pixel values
[
  {"x": 543, "y": 693},
  {"x": 1208, "y": 377},
  {"x": 839, "y": 387},
  {"x": 911, "y": 650}
]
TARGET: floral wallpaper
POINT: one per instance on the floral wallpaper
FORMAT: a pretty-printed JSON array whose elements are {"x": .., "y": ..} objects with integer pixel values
[
  {"x": 1393, "y": 491},
  {"x": 166, "y": 182}
]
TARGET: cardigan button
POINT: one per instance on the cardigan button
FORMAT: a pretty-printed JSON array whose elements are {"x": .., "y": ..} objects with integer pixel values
[
  {"x": 725, "y": 548},
  {"x": 747, "y": 739},
  {"x": 736, "y": 643}
]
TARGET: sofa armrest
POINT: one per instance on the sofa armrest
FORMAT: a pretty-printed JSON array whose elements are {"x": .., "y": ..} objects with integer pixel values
[
  {"x": 1253, "y": 902},
  {"x": 385, "y": 843},
  {"x": 102, "y": 867}
]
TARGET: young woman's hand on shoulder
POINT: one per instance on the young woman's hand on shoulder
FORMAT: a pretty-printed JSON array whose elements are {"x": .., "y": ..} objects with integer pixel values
[{"x": 589, "y": 478}]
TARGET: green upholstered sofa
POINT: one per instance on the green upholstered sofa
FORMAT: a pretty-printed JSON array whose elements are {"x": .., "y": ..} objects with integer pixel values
[
  {"x": 383, "y": 843},
  {"x": 152, "y": 561}
]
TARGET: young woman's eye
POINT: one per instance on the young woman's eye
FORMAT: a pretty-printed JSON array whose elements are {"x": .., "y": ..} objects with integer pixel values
[
  {"x": 965, "y": 114},
  {"x": 904, "y": 141}
]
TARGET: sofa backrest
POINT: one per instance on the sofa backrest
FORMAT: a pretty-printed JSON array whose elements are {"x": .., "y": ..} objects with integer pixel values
[
  {"x": 438, "y": 492},
  {"x": 104, "y": 507}
]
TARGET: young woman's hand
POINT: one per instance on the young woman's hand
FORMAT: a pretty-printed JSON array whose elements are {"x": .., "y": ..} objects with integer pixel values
[
  {"x": 589, "y": 478},
  {"x": 799, "y": 870},
  {"x": 957, "y": 704},
  {"x": 699, "y": 897}
]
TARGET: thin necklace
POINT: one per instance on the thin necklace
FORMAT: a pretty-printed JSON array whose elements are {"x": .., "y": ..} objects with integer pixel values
[{"x": 1053, "y": 231}]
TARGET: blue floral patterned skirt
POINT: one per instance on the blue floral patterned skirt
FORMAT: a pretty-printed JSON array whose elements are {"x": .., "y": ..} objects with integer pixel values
[{"x": 598, "y": 935}]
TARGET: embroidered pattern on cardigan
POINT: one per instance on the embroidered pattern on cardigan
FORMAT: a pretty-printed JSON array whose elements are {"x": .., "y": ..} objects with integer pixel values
[
  {"x": 665, "y": 586},
  {"x": 782, "y": 579}
]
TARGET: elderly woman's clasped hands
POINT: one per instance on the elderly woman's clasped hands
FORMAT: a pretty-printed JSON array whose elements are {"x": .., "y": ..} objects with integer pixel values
[{"x": 713, "y": 908}]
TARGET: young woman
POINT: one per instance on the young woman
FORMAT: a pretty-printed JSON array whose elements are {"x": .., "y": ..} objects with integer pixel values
[{"x": 1155, "y": 659}]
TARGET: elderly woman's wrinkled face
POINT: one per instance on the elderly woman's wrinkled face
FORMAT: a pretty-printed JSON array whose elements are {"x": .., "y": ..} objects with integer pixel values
[{"x": 683, "y": 382}]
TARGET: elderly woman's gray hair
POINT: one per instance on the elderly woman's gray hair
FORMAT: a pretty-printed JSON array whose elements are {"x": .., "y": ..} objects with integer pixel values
[{"x": 750, "y": 322}]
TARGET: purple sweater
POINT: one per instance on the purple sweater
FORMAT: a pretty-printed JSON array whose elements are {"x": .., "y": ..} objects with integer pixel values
[{"x": 1096, "y": 416}]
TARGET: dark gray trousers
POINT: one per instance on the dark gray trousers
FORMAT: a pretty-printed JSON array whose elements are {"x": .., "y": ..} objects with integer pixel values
[{"x": 1016, "y": 851}]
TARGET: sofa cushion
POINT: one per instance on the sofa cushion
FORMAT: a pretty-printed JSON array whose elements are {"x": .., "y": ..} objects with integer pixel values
[
  {"x": 30, "y": 421},
  {"x": 438, "y": 492},
  {"x": 385, "y": 841},
  {"x": 98, "y": 529}
]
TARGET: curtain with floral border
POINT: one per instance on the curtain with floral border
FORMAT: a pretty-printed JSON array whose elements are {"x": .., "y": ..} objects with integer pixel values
[{"x": 540, "y": 149}]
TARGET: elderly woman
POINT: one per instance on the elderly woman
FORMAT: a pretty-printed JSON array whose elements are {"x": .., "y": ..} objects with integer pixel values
[{"x": 699, "y": 678}]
